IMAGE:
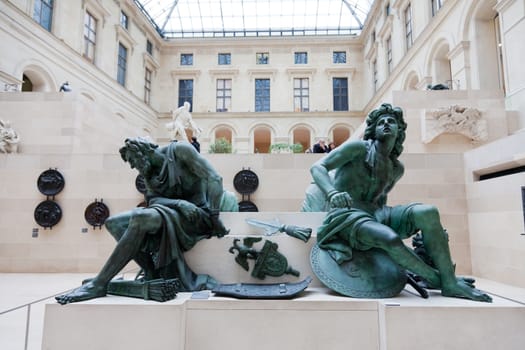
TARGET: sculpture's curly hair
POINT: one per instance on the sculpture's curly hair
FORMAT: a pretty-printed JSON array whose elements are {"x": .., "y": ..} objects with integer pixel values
[
  {"x": 139, "y": 146},
  {"x": 397, "y": 113}
]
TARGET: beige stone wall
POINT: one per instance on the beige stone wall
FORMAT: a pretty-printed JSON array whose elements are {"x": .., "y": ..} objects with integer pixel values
[
  {"x": 495, "y": 210},
  {"x": 283, "y": 179},
  {"x": 81, "y": 139}
]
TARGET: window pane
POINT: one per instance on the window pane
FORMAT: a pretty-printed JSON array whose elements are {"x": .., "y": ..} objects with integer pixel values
[
  {"x": 408, "y": 27},
  {"x": 339, "y": 57},
  {"x": 262, "y": 95},
  {"x": 224, "y": 58},
  {"x": 147, "y": 86},
  {"x": 301, "y": 58},
  {"x": 186, "y": 59},
  {"x": 223, "y": 95},
  {"x": 90, "y": 27},
  {"x": 43, "y": 13},
  {"x": 340, "y": 92},
  {"x": 301, "y": 94},
  {"x": 262, "y": 57},
  {"x": 124, "y": 22},
  {"x": 122, "y": 64},
  {"x": 186, "y": 92}
]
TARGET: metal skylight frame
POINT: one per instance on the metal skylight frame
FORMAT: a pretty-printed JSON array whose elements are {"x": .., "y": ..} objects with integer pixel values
[{"x": 231, "y": 18}]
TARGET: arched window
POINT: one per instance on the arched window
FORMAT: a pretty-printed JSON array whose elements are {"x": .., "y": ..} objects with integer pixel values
[
  {"x": 340, "y": 134},
  {"x": 37, "y": 79},
  {"x": 302, "y": 135},
  {"x": 223, "y": 132},
  {"x": 262, "y": 139},
  {"x": 411, "y": 82},
  {"x": 27, "y": 84},
  {"x": 441, "y": 67}
]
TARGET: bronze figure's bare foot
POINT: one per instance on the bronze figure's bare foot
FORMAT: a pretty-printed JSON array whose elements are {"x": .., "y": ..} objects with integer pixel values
[
  {"x": 85, "y": 292},
  {"x": 464, "y": 289}
]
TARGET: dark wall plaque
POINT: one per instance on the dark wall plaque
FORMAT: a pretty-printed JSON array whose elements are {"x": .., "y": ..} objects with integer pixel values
[
  {"x": 50, "y": 182},
  {"x": 48, "y": 214},
  {"x": 246, "y": 181},
  {"x": 96, "y": 213}
]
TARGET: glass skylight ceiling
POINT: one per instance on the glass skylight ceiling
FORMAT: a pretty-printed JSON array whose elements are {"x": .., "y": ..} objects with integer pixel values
[{"x": 227, "y": 18}]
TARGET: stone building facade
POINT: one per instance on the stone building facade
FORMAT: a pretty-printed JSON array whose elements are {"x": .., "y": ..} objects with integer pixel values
[{"x": 257, "y": 92}]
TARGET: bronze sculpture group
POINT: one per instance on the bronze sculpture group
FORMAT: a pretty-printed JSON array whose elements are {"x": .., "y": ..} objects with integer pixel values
[
  {"x": 351, "y": 183},
  {"x": 184, "y": 197},
  {"x": 363, "y": 173}
]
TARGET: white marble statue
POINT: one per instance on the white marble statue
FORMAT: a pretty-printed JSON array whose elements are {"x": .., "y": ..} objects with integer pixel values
[
  {"x": 456, "y": 119},
  {"x": 182, "y": 120},
  {"x": 9, "y": 139}
]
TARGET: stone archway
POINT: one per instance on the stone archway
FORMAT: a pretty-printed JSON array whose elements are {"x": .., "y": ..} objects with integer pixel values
[
  {"x": 262, "y": 139},
  {"x": 340, "y": 134},
  {"x": 481, "y": 31},
  {"x": 411, "y": 81},
  {"x": 223, "y": 132},
  {"x": 303, "y": 136},
  {"x": 441, "y": 70},
  {"x": 37, "y": 79}
]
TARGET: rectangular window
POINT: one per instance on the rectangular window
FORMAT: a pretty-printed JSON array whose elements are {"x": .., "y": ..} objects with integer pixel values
[
  {"x": 149, "y": 47},
  {"x": 301, "y": 95},
  {"x": 225, "y": 58},
  {"x": 435, "y": 5},
  {"x": 262, "y": 57},
  {"x": 340, "y": 91},
  {"x": 374, "y": 74},
  {"x": 186, "y": 92},
  {"x": 373, "y": 37},
  {"x": 186, "y": 59},
  {"x": 147, "y": 86},
  {"x": 224, "y": 95},
  {"x": 339, "y": 57},
  {"x": 387, "y": 9},
  {"x": 90, "y": 36},
  {"x": 301, "y": 58},
  {"x": 262, "y": 95},
  {"x": 43, "y": 13},
  {"x": 124, "y": 20},
  {"x": 122, "y": 64},
  {"x": 389, "y": 54},
  {"x": 408, "y": 27}
]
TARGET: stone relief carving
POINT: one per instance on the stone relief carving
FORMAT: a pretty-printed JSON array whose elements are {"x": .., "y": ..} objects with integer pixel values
[
  {"x": 455, "y": 119},
  {"x": 9, "y": 138}
]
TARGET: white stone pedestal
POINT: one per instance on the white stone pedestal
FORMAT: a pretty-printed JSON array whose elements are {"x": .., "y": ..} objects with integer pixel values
[{"x": 317, "y": 319}]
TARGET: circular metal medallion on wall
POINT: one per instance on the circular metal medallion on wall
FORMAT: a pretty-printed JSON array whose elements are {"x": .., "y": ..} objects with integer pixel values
[
  {"x": 96, "y": 213},
  {"x": 246, "y": 181},
  {"x": 47, "y": 214},
  {"x": 139, "y": 184},
  {"x": 50, "y": 182}
]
